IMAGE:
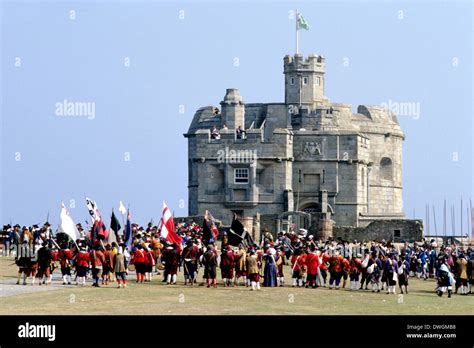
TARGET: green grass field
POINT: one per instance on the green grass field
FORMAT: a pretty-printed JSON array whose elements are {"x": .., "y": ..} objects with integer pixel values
[{"x": 156, "y": 298}]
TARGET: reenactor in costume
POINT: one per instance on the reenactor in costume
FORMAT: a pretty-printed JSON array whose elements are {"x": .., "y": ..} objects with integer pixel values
[
  {"x": 461, "y": 273},
  {"x": 270, "y": 271},
  {"x": 65, "y": 257},
  {"x": 298, "y": 267},
  {"x": 97, "y": 259},
  {"x": 312, "y": 266},
  {"x": 335, "y": 270},
  {"x": 26, "y": 236},
  {"x": 241, "y": 265},
  {"x": 373, "y": 270},
  {"x": 190, "y": 257},
  {"x": 227, "y": 265},
  {"x": 445, "y": 278},
  {"x": 253, "y": 270},
  {"x": 345, "y": 271},
  {"x": 139, "y": 261},
  {"x": 355, "y": 268},
  {"x": 391, "y": 272},
  {"x": 82, "y": 265},
  {"x": 119, "y": 268},
  {"x": 225, "y": 240},
  {"x": 280, "y": 262},
  {"x": 470, "y": 271},
  {"x": 210, "y": 264},
  {"x": 170, "y": 258},
  {"x": 25, "y": 260},
  {"x": 45, "y": 258},
  {"x": 323, "y": 267},
  {"x": 108, "y": 265},
  {"x": 149, "y": 262},
  {"x": 157, "y": 246},
  {"x": 403, "y": 273}
]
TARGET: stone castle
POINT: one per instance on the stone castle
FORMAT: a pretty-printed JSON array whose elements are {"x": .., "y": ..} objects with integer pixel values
[{"x": 305, "y": 161}]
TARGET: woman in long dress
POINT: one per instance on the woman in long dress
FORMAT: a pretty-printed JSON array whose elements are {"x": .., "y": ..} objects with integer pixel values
[{"x": 270, "y": 271}]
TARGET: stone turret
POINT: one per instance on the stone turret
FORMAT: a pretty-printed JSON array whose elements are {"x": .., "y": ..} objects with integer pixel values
[
  {"x": 233, "y": 109},
  {"x": 304, "y": 79}
]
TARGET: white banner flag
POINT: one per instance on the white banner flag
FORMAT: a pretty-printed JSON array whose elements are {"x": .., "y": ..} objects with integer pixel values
[{"x": 67, "y": 225}]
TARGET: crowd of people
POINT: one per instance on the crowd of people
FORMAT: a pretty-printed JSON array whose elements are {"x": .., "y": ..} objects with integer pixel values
[{"x": 367, "y": 266}]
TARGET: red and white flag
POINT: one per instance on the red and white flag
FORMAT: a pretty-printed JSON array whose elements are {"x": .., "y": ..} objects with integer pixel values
[
  {"x": 167, "y": 227},
  {"x": 99, "y": 230},
  {"x": 212, "y": 223}
]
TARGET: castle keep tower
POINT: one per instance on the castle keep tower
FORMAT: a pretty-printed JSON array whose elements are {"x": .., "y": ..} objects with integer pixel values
[
  {"x": 304, "y": 80},
  {"x": 313, "y": 162}
]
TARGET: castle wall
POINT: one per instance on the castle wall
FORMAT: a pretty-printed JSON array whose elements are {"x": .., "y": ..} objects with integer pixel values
[
  {"x": 300, "y": 151},
  {"x": 408, "y": 230}
]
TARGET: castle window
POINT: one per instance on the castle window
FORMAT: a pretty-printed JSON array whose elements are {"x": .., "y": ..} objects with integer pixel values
[
  {"x": 241, "y": 175},
  {"x": 292, "y": 80},
  {"x": 305, "y": 80},
  {"x": 318, "y": 81},
  {"x": 386, "y": 168},
  {"x": 362, "y": 177}
]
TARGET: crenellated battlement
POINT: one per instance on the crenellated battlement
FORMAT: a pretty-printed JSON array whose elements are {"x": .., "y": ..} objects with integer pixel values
[{"x": 298, "y": 62}]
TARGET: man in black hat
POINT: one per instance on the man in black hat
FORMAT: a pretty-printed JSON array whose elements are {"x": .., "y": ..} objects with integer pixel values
[
  {"x": 7, "y": 238},
  {"x": 190, "y": 261},
  {"x": 45, "y": 257},
  {"x": 210, "y": 264}
]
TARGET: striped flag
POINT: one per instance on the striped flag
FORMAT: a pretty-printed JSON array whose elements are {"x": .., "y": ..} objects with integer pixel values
[{"x": 167, "y": 227}]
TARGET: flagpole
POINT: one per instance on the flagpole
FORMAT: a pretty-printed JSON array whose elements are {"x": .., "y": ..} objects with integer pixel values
[{"x": 296, "y": 27}]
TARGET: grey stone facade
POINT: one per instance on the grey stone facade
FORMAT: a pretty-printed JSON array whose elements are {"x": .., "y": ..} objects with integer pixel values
[{"x": 306, "y": 154}]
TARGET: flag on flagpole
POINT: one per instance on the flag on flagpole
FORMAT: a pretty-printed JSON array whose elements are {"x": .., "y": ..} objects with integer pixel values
[
  {"x": 128, "y": 232},
  {"x": 93, "y": 209},
  {"x": 301, "y": 23},
  {"x": 98, "y": 228},
  {"x": 239, "y": 234},
  {"x": 122, "y": 208},
  {"x": 68, "y": 226},
  {"x": 167, "y": 227},
  {"x": 114, "y": 228},
  {"x": 210, "y": 230}
]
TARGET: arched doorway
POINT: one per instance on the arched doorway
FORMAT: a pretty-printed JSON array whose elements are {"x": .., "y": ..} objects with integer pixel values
[{"x": 314, "y": 210}]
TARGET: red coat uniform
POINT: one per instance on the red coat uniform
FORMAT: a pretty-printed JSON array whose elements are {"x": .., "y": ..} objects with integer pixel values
[
  {"x": 139, "y": 257},
  {"x": 335, "y": 264},
  {"x": 312, "y": 263},
  {"x": 355, "y": 266},
  {"x": 109, "y": 258},
  {"x": 97, "y": 258},
  {"x": 65, "y": 257},
  {"x": 82, "y": 259},
  {"x": 346, "y": 265},
  {"x": 298, "y": 262},
  {"x": 150, "y": 258},
  {"x": 326, "y": 258}
]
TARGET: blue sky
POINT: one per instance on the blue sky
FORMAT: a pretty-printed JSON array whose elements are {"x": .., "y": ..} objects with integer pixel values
[{"x": 399, "y": 51}]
